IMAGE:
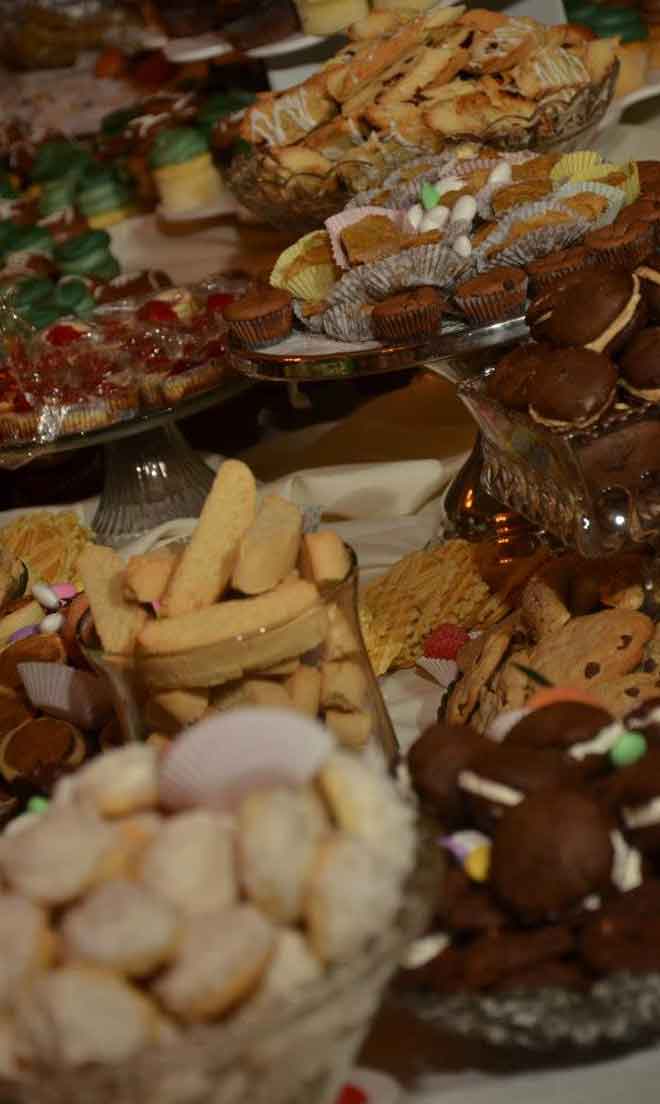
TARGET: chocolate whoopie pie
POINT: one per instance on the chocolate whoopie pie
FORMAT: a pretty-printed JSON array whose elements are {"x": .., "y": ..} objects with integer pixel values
[
  {"x": 640, "y": 365},
  {"x": 622, "y": 457},
  {"x": 649, "y": 277},
  {"x": 435, "y": 761},
  {"x": 624, "y": 934},
  {"x": 598, "y": 308},
  {"x": 513, "y": 376},
  {"x": 550, "y": 852},
  {"x": 502, "y": 775},
  {"x": 575, "y": 389}
]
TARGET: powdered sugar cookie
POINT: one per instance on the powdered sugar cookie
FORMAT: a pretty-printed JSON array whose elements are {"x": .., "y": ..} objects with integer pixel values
[
  {"x": 120, "y": 782},
  {"x": 279, "y": 831},
  {"x": 191, "y": 862},
  {"x": 351, "y": 897},
  {"x": 78, "y": 1014},
  {"x": 221, "y": 959},
  {"x": 361, "y": 799},
  {"x": 58, "y": 856},
  {"x": 124, "y": 927},
  {"x": 26, "y": 944}
]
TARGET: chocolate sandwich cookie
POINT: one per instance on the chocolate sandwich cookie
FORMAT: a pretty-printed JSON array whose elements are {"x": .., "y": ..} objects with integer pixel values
[
  {"x": 569, "y": 726},
  {"x": 623, "y": 457},
  {"x": 551, "y": 852},
  {"x": 632, "y": 793},
  {"x": 36, "y": 754},
  {"x": 575, "y": 389},
  {"x": 503, "y": 775},
  {"x": 599, "y": 308},
  {"x": 640, "y": 365},
  {"x": 513, "y": 376},
  {"x": 624, "y": 934},
  {"x": 435, "y": 761},
  {"x": 649, "y": 277}
]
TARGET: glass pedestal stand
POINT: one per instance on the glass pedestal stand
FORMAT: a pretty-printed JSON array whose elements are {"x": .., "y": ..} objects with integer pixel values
[{"x": 151, "y": 473}]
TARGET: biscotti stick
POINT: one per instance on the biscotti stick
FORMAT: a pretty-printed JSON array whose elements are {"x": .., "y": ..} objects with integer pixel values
[{"x": 117, "y": 621}]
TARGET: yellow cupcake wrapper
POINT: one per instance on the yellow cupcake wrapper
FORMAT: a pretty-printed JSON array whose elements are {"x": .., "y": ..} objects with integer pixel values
[
  {"x": 573, "y": 163},
  {"x": 110, "y": 218},
  {"x": 171, "y": 172},
  {"x": 310, "y": 284},
  {"x": 631, "y": 187}
]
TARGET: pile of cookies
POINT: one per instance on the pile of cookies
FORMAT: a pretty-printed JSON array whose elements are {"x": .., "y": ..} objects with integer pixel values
[
  {"x": 252, "y": 611},
  {"x": 158, "y": 893},
  {"x": 416, "y": 81},
  {"x": 551, "y": 823},
  {"x": 577, "y": 622}
]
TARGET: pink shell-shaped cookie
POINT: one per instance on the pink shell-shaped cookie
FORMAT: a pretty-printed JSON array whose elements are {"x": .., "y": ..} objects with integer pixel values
[
  {"x": 218, "y": 761},
  {"x": 63, "y": 692}
]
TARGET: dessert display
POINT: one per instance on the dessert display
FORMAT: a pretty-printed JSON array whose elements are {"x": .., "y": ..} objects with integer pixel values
[
  {"x": 252, "y": 611},
  {"x": 200, "y": 896},
  {"x": 460, "y": 236},
  {"x": 408, "y": 84}
]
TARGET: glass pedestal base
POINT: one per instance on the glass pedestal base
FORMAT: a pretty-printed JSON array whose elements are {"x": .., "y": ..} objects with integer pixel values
[{"x": 149, "y": 478}]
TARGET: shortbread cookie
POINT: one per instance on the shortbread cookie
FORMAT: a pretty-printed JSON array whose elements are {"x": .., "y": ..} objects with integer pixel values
[
  {"x": 341, "y": 641},
  {"x": 360, "y": 798},
  {"x": 27, "y": 944},
  {"x": 279, "y": 832},
  {"x": 620, "y": 695},
  {"x": 351, "y": 729},
  {"x": 191, "y": 862},
  {"x": 79, "y": 1014},
  {"x": 120, "y": 782},
  {"x": 221, "y": 960},
  {"x": 58, "y": 856},
  {"x": 292, "y": 966},
  {"x": 350, "y": 898},
  {"x": 304, "y": 689},
  {"x": 172, "y": 710},
  {"x": 123, "y": 927},
  {"x": 593, "y": 649}
]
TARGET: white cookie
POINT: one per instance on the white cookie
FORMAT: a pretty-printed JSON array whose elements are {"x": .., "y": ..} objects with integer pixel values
[
  {"x": 191, "y": 861},
  {"x": 221, "y": 959},
  {"x": 292, "y": 966},
  {"x": 26, "y": 944},
  {"x": 123, "y": 927},
  {"x": 364, "y": 802},
  {"x": 120, "y": 782},
  {"x": 279, "y": 831},
  {"x": 78, "y": 1014},
  {"x": 58, "y": 856},
  {"x": 352, "y": 897}
]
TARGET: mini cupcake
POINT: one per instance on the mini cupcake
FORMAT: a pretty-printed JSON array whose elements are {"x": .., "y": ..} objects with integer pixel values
[
  {"x": 31, "y": 290},
  {"x": 307, "y": 268},
  {"x": 87, "y": 255},
  {"x": 29, "y": 240},
  {"x": 103, "y": 199},
  {"x": 56, "y": 195},
  {"x": 619, "y": 246},
  {"x": 183, "y": 170},
  {"x": 409, "y": 315},
  {"x": 549, "y": 270},
  {"x": 499, "y": 293},
  {"x": 261, "y": 317},
  {"x": 73, "y": 296},
  {"x": 57, "y": 158},
  {"x": 64, "y": 224}
]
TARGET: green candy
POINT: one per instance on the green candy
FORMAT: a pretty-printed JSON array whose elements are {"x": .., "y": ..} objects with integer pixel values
[
  {"x": 429, "y": 196},
  {"x": 629, "y": 748},
  {"x": 37, "y": 804}
]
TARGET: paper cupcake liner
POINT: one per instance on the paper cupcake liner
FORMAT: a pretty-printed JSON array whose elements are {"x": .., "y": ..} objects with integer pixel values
[
  {"x": 544, "y": 281},
  {"x": 336, "y": 223},
  {"x": 313, "y": 284},
  {"x": 537, "y": 243},
  {"x": 571, "y": 164},
  {"x": 633, "y": 187},
  {"x": 424, "y": 321},
  {"x": 217, "y": 761},
  {"x": 312, "y": 322},
  {"x": 351, "y": 288},
  {"x": 626, "y": 256},
  {"x": 75, "y": 696},
  {"x": 267, "y": 330},
  {"x": 615, "y": 199},
  {"x": 348, "y": 323},
  {"x": 423, "y": 265},
  {"x": 493, "y": 307}
]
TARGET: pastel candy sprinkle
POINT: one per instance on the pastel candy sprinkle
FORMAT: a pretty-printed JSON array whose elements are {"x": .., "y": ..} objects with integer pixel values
[
  {"x": 629, "y": 748},
  {"x": 37, "y": 805},
  {"x": 21, "y": 634},
  {"x": 65, "y": 591},
  {"x": 45, "y": 596},
  {"x": 477, "y": 863},
  {"x": 52, "y": 624},
  {"x": 429, "y": 196}
]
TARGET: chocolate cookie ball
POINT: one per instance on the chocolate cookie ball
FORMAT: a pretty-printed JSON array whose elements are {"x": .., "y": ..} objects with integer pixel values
[
  {"x": 502, "y": 775},
  {"x": 575, "y": 389},
  {"x": 632, "y": 793},
  {"x": 599, "y": 308},
  {"x": 550, "y": 852},
  {"x": 435, "y": 761},
  {"x": 565, "y": 726}
]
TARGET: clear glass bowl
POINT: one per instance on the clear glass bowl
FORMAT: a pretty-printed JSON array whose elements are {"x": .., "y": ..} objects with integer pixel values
[
  {"x": 297, "y": 1051},
  {"x": 226, "y": 662},
  {"x": 303, "y": 201},
  {"x": 597, "y": 491}
]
